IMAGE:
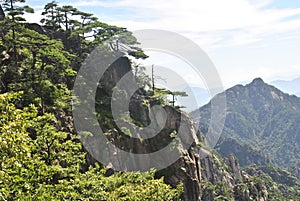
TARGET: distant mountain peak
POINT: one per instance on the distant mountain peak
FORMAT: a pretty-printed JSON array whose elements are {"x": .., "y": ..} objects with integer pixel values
[
  {"x": 257, "y": 81},
  {"x": 264, "y": 117},
  {"x": 291, "y": 86}
]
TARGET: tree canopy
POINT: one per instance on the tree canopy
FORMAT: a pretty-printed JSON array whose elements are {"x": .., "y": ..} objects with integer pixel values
[{"x": 41, "y": 157}]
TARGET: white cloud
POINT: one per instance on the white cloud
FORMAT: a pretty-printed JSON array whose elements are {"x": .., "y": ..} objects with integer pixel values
[
  {"x": 34, "y": 17},
  {"x": 201, "y": 17},
  {"x": 212, "y": 23},
  {"x": 291, "y": 37},
  {"x": 278, "y": 72},
  {"x": 239, "y": 29}
]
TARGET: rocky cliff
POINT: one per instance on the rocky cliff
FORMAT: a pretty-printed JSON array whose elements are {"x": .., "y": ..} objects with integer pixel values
[
  {"x": 204, "y": 174},
  {"x": 186, "y": 169},
  {"x": 2, "y": 14},
  {"x": 222, "y": 179}
]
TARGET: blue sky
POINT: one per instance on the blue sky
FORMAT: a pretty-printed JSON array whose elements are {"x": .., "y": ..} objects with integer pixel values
[{"x": 244, "y": 38}]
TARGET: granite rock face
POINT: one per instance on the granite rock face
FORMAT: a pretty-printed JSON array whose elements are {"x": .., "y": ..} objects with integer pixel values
[
  {"x": 2, "y": 14},
  {"x": 222, "y": 178},
  {"x": 204, "y": 175}
]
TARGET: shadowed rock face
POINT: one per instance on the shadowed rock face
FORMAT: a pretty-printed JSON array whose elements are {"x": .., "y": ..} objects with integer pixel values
[
  {"x": 2, "y": 14},
  {"x": 194, "y": 173},
  {"x": 187, "y": 168},
  {"x": 223, "y": 178},
  {"x": 36, "y": 27}
]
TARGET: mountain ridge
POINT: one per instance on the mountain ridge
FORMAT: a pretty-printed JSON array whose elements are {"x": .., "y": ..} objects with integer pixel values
[
  {"x": 263, "y": 116},
  {"x": 289, "y": 86}
]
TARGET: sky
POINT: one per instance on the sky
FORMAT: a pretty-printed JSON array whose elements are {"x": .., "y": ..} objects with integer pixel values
[{"x": 244, "y": 39}]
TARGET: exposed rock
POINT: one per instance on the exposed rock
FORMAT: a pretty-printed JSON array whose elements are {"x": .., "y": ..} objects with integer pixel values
[
  {"x": 2, "y": 14},
  {"x": 187, "y": 168},
  {"x": 232, "y": 162},
  {"x": 35, "y": 27},
  {"x": 207, "y": 179},
  {"x": 214, "y": 171},
  {"x": 295, "y": 171},
  {"x": 228, "y": 181}
]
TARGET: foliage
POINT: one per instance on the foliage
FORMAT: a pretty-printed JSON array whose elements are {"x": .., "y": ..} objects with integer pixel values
[
  {"x": 39, "y": 162},
  {"x": 280, "y": 183},
  {"x": 244, "y": 152},
  {"x": 41, "y": 158},
  {"x": 33, "y": 151}
]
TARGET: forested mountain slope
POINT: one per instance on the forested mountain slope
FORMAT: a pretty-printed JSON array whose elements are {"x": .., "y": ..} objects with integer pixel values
[
  {"x": 41, "y": 154},
  {"x": 263, "y": 117}
]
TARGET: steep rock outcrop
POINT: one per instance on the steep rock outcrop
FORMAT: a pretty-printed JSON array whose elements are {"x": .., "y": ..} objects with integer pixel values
[
  {"x": 2, "y": 14},
  {"x": 207, "y": 179},
  {"x": 186, "y": 169},
  {"x": 223, "y": 180},
  {"x": 232, "y": 162}
]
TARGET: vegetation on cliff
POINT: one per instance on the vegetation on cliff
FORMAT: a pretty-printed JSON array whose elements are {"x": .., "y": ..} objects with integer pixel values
[{"x": 41, "y": 155}]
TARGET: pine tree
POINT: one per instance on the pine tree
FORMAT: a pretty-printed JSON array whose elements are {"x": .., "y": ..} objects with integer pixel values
[{"x": 15, "y": 17}]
